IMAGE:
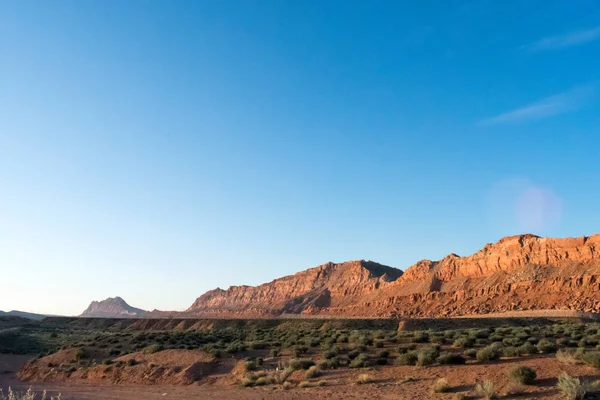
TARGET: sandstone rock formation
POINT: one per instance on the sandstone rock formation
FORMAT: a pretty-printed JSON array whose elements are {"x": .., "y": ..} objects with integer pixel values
[
  {"x": 328, "y": 285},
  {"x": 523, "y": 272},
  {"x": 113, "y": 307}
]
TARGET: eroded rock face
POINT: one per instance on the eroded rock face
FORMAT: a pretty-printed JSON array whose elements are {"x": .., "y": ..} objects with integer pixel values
[
  {"x": 321, "y": 287},
  {"x": 523, "y": 272}
]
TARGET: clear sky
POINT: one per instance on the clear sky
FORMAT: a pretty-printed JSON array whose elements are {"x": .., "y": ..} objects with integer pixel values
[{"x": 155, "y": 150}]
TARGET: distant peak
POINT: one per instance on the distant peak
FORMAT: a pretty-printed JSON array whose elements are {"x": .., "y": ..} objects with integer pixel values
[{"x": 112, "y": 307}]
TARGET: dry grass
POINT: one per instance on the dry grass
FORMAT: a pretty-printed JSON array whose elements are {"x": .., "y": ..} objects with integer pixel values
[
  {"x": 29, "y": 395},
  {"x": 440, "y": 386},
  {"x": 571, "y": 387},
  {"x": 567, "y": 357},
  {"x": 363, "y": 379},
  {"x": 486, "y": 390}
]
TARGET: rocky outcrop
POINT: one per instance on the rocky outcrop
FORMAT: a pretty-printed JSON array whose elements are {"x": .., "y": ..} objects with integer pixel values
[
  {"x": 517, "y": 273},
  {"x": 328, "y": 285},
  {"x": 113, "y": 307}
]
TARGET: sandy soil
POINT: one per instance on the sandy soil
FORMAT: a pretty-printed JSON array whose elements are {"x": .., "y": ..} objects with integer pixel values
[{"x": 389, "y": 383}]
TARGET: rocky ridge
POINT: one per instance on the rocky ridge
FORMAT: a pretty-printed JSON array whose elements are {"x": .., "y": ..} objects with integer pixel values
[{"x": 523, "y": 272}]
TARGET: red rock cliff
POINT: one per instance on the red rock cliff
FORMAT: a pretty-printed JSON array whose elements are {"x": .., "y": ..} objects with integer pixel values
[{"x": 523, "y": 272}]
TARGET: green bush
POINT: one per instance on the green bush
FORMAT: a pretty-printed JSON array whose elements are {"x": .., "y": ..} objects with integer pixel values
[
  {"x": 427, "y": 356},
  {"x": 526, "y": 348},
  {"x": 463, "y": 342},
  {"x": 409, "y": 358},
  {"x": 251, "y": 366},
  {"x": 329, "y": 354},
  {"x": 488, "y": 353},
  {"x": 313, "y": 372},
  {"x": 591, "y": 358},
  {"x": 470, "y": 352},
  {"x": 361, "y": 361},
  {"x": 546, "y": 346},
  {"x": 300, "y": 350},
  {"x": 383, "y": 354},
  {"x": 451, "y": 358},
  {"x": 403, "y": 349},
  {"x": 571, "y": 387},
  {"x": 509, "y": 351},
  {"x": 155, "y": 348},
  {"x": 420, "y": 337},
  {"x": 523, "y": 375},
  {"x": 300, "y": 363}
]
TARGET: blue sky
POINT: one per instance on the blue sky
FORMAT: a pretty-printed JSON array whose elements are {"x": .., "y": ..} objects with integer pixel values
[{"x": 155, "y": 150}]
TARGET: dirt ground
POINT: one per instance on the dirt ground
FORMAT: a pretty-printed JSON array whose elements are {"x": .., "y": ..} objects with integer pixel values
[{"x": 389, "y": 382}]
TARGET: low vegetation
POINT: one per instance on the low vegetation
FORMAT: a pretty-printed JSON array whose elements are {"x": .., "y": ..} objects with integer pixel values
[
  {"x": 522, "y": 375},
  {"x": 302, "y": 353}
]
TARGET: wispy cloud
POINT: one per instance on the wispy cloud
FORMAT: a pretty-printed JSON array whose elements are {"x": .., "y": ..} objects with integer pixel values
[
  {"x": 564, "y": 41},
  {"x": 550, "y": 106}
]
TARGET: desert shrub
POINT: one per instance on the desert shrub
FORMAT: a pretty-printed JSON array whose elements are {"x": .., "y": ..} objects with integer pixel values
[
  {"x": 496, "y": 337},
  {"x": 487, "y": 354},
  {"x": 440, "y": 386},
  {"x": 304, "y": 385},
  {"x": 265, "y": 380},
  {"x": 486, "y": 390},
  {"x": 363, "y": 379},
  {"x": 342, "y": 339},
  {"x": 257, "y": 345},
  {"x": 420, "y": 337},
  {"x": 402, "y": 349},
  {"x": 301, "y": 363},
  {"x": 533, "y": 340},
  {"x": 449, "y": 334},
  {"x": 562, "y": 341},
  {"x": 360, "y": 362},
  {"x": 427, "y": 356},
  {"x": 282, "y": 376},
  {"x": 522, "y": 375},
  {"x": 571, "y": 387},
  {"x": 509, "y": 351},
  {"x": 251, "y": 366},
  {"x": 300, "y": 350},
  {"x": 234, "y": 347},
  {"x": 546, "y": 346},
  {"x": 526, "y": 348},
  {"x": 566, "y": 356},
  {"x": 79, "y": 354},
  {"x": 155, "y": 348},
  {"x": 352, "y": 354},
  {"x": 383, "y": 354},
  {"x": 313, "y": 372},
  {"x": 451, "y": 358},
  {"x": 470, "y": 352},
  {"x": 592, "y": 340},
  {"x": 512, "y": 342},
  {"x": 275, "y": 352},
  {"x": 378, "y": 345},
  {"x": 591, "y": 358},
  {"x": 331, "y": 363},
  {"x": 329, "y": 354},
  {"x": 463, "y": 342},
  {"x": 407, "y": 359},
  {"x": 437, "y": 339}
]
